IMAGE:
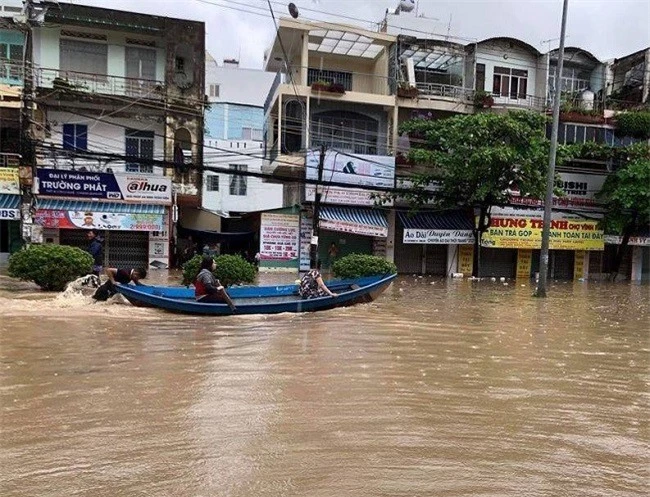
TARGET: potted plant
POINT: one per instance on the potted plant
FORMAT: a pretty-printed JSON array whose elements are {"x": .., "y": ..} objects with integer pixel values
[
  {"x": 483, "y": 100},
  {"x": 327, "y": 86},
  {"x": 405, "y": 90}
]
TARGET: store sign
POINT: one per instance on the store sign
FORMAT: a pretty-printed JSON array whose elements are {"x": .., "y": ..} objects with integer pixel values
[
  {"x": 431, "y": 237},
  {"x": 10, "y": 214},
  {"x": 141, "y": 188},
  {"x": 526, "y": 233},
  {"x": 640, "y": 241},
  {"x": 9, "y": 182},
  {"x": 366, "y": 170},
  {"x": 279, "y": 237},
  {"x": 99, "y": 220},
  {"x": 356, "y": 228},
  {"x": 524, "y": 263},
  {"x": 579, "y": 192},
  {"x": 466, "y": 259},
  {"x": 305, "y": 241}
]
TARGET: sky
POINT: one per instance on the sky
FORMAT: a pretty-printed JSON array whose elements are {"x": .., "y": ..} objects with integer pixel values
[{"x": 244, "y": 29}]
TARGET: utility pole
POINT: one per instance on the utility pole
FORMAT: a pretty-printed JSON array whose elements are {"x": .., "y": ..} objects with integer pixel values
[
  {"x": 550, "y": 182},
  {"x": 27, "y": 165},
  {"x": 313, "y": 256}
]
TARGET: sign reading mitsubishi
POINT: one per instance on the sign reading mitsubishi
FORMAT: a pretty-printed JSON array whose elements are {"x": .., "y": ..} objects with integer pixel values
[
  {"x": 352, "y": 169},
  {"x": 141, "y": 188}
]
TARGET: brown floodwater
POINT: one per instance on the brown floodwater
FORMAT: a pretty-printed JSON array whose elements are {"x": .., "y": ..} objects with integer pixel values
[{"x": 439, "y": 388}]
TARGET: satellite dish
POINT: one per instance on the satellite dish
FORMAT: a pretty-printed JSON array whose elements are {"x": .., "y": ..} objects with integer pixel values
[
  {"x": 406, "y": 5},
  {"x": 293, "y": 10}
]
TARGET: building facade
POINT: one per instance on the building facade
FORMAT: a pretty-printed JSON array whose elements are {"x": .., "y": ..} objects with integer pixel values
[{"x": 117, "y": 127}]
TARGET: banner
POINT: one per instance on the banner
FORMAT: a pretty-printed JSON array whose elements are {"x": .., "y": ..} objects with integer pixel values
[
  {"x": 339, "y": 167},
  {"x": 10, "y": 214},
  {"x": 279, "y": 236},
  {"x": 142, "y": 188},
  {"x": 430, "y": 237},
  {"x": 355, "y": 228},
  {"x": 305, "y": 241},
  {"x": 466, "y": 259},
  {"x": 526, "y": 233},
  {"x": 9, "y": 182},
  {"x": 640, "y": 241},
  {"x": 579, "y": 264},
  {"x": 524, "y": 263},
  {"x": 99, "y": 220}
]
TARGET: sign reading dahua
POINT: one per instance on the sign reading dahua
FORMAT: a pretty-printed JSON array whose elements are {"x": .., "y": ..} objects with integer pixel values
[{"x": 122, "y": 186}]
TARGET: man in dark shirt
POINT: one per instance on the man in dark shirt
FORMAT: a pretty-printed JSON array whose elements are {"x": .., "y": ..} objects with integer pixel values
[
  {"x": 122, "y": 276},
  {"x": 96, "y": 250}
]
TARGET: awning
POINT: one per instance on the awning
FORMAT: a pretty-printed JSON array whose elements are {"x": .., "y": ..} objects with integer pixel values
[
  {"x": 9, "y": 201},
  {"x": 442, "y": 228},
  {"x": 368, "y": 222},
  {"x": 446, "y": 220},
  {"x": 81, "y": 205},
  {"x": 75, "y": 214}
]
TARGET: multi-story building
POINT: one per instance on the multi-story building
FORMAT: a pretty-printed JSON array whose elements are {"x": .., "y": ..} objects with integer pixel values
[
  {"x": 12, "y": 40},
  {"x": 332, "y": 90},
  {"x": 118, "y": 127}
]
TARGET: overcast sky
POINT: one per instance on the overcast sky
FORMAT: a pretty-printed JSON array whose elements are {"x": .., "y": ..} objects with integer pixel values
[{"x": 244, "y": 29}]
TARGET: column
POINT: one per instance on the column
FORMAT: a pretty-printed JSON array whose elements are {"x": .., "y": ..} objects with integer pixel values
[
  {"x": 452, "y": 259},
  {"x": 637, "y": 263},
  {"x": 390, "y": 239}
]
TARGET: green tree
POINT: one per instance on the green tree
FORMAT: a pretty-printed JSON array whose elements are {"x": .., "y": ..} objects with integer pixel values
[
  {"x": 626, "y": 195},
  {"x": 477, "y": 161}
]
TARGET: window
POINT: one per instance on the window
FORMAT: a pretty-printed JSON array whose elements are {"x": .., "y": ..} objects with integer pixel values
[
  {"x": 12, "y": 57},
  {"x": 84, "y": 57},
  {"x": 238, "y": 182},
  {"x": 338, "y": 77},
  {"x": 179, "y": 64},
  {"x": 214, "y": 91},
  {"x": 480, "y": 77},
  {"x": 253, "y": 134},
  {"x": 75, "y": 137},
  {"x": 346, "y": 131},
  {"x": 140, "y": 65},
  {"x": 139, "y": 145},
  {"x": 512, "y": 83},
  {"x": 212, "y": 184}
]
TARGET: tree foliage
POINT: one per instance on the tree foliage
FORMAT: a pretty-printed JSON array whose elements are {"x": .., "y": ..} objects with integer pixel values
[
  {"x": 231, "y": 270},
  {"x": 50, "y": 266},
  {"x": 476, "y": 160}
]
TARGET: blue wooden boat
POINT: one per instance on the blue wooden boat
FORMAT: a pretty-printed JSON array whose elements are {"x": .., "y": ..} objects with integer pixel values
[{"x": 258, "y": 299}]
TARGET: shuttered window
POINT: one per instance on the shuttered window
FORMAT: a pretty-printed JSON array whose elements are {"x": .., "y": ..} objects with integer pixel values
[{"x": 83, "y": 57}]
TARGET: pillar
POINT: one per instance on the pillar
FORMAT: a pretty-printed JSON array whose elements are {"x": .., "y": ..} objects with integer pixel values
[
  {"x": 637, "y": 263},
  {"x": 390, "y": 239}
]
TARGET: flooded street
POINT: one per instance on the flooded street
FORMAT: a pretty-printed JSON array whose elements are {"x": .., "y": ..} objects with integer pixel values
[{"x": 438, "y": 388}]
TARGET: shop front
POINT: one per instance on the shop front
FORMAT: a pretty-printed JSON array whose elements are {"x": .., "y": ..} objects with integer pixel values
[
  {"x": 130, "y": 213},
  {"x": 432, "y": 242},
  {"x": 636, "y": 264},
  {"x": 10, "y": 236}
]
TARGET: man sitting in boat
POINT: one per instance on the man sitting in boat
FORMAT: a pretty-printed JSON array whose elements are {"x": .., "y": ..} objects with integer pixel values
[
  {"x": 312, "y": 284},
  {"x": 207, "y": 288},
  {"x": 122, "y": 276}
]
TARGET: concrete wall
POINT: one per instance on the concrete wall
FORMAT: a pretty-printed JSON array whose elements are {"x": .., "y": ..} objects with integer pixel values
[
  {"x": 236, "y": 85},
  {"x": 225, "y": 121}
]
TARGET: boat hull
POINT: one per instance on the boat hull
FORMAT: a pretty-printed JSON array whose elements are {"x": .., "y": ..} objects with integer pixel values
[{"x": 258, "y": 300}]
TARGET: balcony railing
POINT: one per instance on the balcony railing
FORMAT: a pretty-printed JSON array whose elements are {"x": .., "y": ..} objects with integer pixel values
[
  {"x": 97, "y": 83},
  {"x": 444, "y": 91},
  {"x": 11, "y": 73},
  {"x": 9, "y": 160}
]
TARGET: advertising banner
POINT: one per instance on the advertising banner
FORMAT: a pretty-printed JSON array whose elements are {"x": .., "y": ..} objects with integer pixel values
[
  {"x": 526, "y": 233},
  {"x": 580, "y": 191},
  {"x": 9, "y": 180},
  {"x": 367, "y": 170},
  {"x": 142, "y": 188},
  {"x": 10, "y": 214},
  {"x": 99, "y": 220},
  {"x": 466, "y": 259},
  {"x": 641, "y": 241},
  {"x": 305, "y": 241},
  {"x": 458, "y": 237},
  {"x": 524, "y": 263},
  {"x": 579, "y": 264},
  {"x": 356, "y": 228},
  {"x": 279, "y": 237}
]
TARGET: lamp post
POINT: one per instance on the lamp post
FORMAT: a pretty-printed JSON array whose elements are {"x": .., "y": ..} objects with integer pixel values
[{"x": 550, "y": 181}]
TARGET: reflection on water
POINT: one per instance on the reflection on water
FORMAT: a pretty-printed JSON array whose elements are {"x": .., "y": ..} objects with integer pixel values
[{"x": 438, "y": 388}]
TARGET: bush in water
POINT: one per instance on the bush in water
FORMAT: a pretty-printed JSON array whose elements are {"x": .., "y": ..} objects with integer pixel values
[
  {"x": 359, "y": 265},
  {"x": 50, "y": 266},
  {"x": 231, "y": 270}
]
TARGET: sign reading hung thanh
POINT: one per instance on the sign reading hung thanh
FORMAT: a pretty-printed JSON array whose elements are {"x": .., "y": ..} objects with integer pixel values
[
  {"x": 339, "y": 167},
  {"x": 119, "y": 186}
]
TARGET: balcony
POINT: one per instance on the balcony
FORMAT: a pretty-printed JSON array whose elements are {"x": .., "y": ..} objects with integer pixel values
[{"x": 78, "y": 82}]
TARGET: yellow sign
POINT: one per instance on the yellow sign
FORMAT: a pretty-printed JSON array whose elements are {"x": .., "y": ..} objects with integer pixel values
[
  {"x": 465, "y": 259},
  {"x": 9, "y": 180},
  {"x": 579, "y": 265},
  {"x": 524, "y": 263},
  {"x": 526, "y": 233}
]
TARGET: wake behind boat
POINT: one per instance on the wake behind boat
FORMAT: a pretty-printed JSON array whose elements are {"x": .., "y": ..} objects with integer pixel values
[{"x": 258, "y": 300}]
